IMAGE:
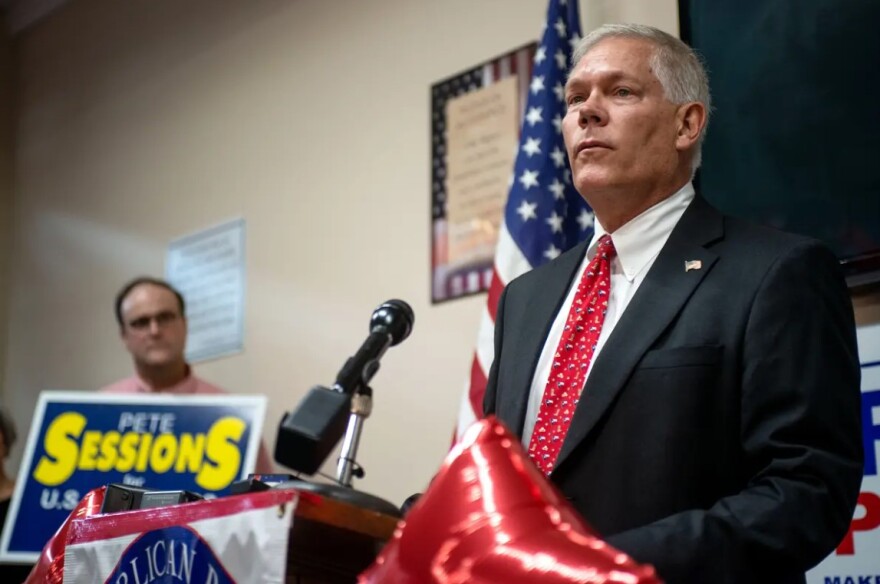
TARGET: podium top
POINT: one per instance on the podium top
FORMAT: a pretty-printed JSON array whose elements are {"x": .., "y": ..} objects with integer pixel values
[{"x": 342, "y": 515}]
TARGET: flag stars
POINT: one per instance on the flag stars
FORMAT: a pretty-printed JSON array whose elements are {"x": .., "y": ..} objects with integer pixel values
[
  {"x": 540, "y": 55},
  {"x": 534, "y": 115},
  {"x": 555, "y": 222},
  {"x": 551, "y": 253},
  {"x": 557, "y": 123},
  {"x": 560, "y": 28},
  {"x": 561, "y": 59},
  {"x": 526, "y": 210},
  {"x": 558, "y": 157},
  {"x": 574, "y": 40},
  {"x": 558, "y": 189},
  {"x": 537, "y": 84},
  {"x": 532, "y": 146},
  {"x": 559, "y": 90},
  {"x": 585, "y": 219},
  {"x": 529, "y": 179}
]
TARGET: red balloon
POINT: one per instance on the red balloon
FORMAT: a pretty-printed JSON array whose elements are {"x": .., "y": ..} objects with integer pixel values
[
  {"x": 50, "y": 568},
  {"x": 491, "y": 516}
]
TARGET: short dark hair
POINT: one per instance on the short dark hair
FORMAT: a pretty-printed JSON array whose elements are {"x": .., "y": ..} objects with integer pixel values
[
  {"x": 7, "y": 430},
  {"x": 120, "y": 297}
]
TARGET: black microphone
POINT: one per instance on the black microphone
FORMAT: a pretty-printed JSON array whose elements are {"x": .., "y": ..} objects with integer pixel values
[
  {"x": 308, "y": 435},
  {"x": 390, "y": 324}
]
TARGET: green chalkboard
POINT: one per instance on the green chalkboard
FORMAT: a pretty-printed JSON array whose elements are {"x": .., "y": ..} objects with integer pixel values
[{"x": 794, "y": 138}]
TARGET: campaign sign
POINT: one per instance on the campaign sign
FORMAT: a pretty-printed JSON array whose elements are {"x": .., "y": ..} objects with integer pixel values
[
  {"x": 82, "y": 440},
  {"x": 238, "y": 539},
  {"x": 855, "y": 561}
]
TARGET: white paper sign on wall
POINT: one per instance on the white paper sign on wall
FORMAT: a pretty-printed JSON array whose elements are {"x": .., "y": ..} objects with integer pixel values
[{"x": 208, "y": 267}]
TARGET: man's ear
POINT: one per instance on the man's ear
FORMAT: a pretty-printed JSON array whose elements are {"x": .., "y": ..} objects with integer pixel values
[{"x": 690, "y": 120}]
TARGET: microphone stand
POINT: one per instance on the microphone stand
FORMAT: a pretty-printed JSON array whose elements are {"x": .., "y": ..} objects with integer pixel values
[
  {"x": 361, "y": 408},
  {"x": 351, "y": 382},
  {"x": 347, "y": 466},
  {"x": 307, "y": 435}
]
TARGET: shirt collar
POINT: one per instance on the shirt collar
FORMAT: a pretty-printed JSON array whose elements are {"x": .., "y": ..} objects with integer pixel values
[
  {"x": 182, "y": 386},
  {"x": 640, "y": 239}
]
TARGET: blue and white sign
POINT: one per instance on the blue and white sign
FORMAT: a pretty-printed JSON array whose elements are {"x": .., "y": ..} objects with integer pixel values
[
  {"x": 855, "y": 561},
  {"x": 240, "y": 539},
  {"x": 83, "y": 440}
]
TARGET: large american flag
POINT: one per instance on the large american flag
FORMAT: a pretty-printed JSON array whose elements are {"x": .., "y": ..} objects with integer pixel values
[{"x": 544, "y": 215}]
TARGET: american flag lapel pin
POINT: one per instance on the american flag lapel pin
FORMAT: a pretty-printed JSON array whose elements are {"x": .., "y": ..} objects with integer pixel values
[{"x": 692, "y": 265}]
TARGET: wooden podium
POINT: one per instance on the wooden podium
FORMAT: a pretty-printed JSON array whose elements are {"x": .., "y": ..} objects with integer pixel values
[{"x": 331, "y": 541}]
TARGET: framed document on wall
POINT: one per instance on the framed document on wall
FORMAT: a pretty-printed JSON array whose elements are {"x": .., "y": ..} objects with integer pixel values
[{"x": 475, "y": 121}]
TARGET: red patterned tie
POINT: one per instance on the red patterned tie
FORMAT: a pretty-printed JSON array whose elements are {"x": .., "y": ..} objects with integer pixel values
[{"x": 572, "y": 358}]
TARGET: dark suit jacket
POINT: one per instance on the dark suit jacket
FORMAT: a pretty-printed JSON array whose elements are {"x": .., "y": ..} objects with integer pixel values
[{"x": 718, "y": 435}]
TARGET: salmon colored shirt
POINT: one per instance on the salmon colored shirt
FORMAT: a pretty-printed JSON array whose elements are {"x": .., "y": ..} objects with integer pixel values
[{"x": 190, "y": 385}]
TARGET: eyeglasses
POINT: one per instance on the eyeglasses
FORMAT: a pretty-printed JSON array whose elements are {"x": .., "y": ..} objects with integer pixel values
[{"x": 143, "y": 323}]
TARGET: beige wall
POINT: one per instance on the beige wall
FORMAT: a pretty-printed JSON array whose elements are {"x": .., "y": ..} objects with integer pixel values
[
  {"x": 6, "y": 116},
  {"x": 142, "y": 121}
]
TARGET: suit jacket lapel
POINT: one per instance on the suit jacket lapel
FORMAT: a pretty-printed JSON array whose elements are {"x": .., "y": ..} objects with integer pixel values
[
  {"x": 666, "y": 288},
  {"x": 544, "y": 300}
]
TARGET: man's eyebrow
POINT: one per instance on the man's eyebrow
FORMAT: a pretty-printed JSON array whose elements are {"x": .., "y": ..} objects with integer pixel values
[
  {"x": 606, "y": 76},
  {"x": 571, "y": 84}
]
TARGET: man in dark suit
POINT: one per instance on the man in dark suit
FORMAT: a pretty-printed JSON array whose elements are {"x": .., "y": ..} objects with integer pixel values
[{"x": 715, "y": 429}]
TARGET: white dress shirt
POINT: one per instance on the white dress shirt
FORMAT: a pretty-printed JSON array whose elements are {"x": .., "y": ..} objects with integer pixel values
[{"x": 638, "y": 243}]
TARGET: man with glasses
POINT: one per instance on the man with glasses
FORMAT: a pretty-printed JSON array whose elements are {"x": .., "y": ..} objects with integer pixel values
[{"x": 152, "y": 325}]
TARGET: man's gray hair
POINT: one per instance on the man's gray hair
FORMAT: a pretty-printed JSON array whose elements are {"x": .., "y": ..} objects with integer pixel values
[{"x": 676, "y": 66}]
